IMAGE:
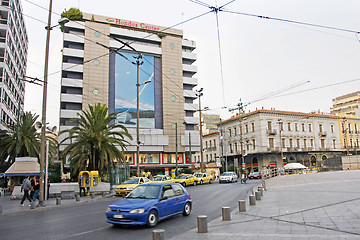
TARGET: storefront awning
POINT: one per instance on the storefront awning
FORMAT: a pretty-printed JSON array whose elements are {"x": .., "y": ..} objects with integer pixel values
[{"x": 25, "y": 166}]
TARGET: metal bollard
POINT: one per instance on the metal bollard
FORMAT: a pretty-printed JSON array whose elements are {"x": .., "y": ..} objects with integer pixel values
[
  {"x": 242, "y": 206},
  {"x": 252, "y": 200},
  {"x": 103, "y": 194},
  {"x": 262, "y": 192},
  {"x": 202, "y": 224},
  {"x": 77, "y": 197},
  {"x": 158, "y": 234},
  {"x": 58, "y": 201},
  {"x": 226, "y": 214},
  {"x": 33, "y": 205},
  {"x": 259, "y": 188},
  {"x": 258, "y": 196},
  {"x": 92, "y": 195}
]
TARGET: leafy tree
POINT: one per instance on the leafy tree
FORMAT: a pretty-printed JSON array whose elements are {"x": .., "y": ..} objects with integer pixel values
[
  {"x": 23, "y": 139},
  {"x": 95, "y": 140},
  {"x": 72, "y": 14}
]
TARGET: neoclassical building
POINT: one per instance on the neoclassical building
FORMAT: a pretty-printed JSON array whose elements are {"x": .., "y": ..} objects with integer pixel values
[{"x": 272, "y": 138}]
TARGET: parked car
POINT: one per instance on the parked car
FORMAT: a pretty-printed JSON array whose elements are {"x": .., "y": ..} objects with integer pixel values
[
  {"x": 186, "y": 179},
  {"x": 150, "y": 203},
  {"x": 204, "y": 178},
  {"x": 127, "y": 186},
  {"x": 255, "y": 175},
  {"x": 162, "y": 178},
  {"x": 228, "y": 177}
]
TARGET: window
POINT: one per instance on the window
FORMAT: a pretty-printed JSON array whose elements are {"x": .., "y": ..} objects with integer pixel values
[
  {"x": 269, "y": 125},
  {"x": 236, "y": 147},
  {"x": 229, "y": 132},
  {"x": 283, "y": 142},
  {"x": 334, "y": 143},
  {"x": 349, "y": 127},
  {"x": 252, "y": 127},
  {"x": 357, "y": 143},
  {"x": 298, "y": 143},
  {"x": 310, "y": 127},
  {"x": 351, "y": 143},
  {"x": 305, "y": 145},
  {"x": 253, "y": 144},
  {"x": 289, "y": 127},
  {"x": 281, "y": 126},
  {"x": 356, "y": 128},
  {"x": 206, "y": 145},
  {"x": 345, "y": 145},
  {"x": 246, "y": 128},
  {"x": 312, "y": 143},
  {"x": 291, "y": 142},
  {"x": 332, "y": 128},
  {"x": 303, "y": 127},
  {"x": 271, "y": 142},
  {"x": 178, "y": 190},
  {"x": 320, "y": 127},
  {"x": 247, "y": 145},
  {"x": 234, "y": 131},
  {"x": 322, "y": 142},
  {"x": 296, "y": 127}
]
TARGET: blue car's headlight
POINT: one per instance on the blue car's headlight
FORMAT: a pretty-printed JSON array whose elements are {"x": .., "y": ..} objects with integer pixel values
[
  {"x": 108, "y": 209},
  {"x": 137, "y": 210}
]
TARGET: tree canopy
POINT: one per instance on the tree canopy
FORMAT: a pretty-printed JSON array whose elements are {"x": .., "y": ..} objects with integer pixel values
[{"x": 96, "y": 141}]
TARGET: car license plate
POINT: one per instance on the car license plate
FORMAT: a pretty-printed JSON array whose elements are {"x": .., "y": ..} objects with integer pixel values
[{"x": 118, "y": 216}]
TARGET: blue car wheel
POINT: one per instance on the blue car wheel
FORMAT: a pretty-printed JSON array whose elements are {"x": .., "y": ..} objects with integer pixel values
[
  {"x": 152, "y": 218},
  {"x": 187, "y": 209}
]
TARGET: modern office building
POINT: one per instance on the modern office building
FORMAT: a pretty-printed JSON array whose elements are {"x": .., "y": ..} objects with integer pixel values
[
  {"x": 13, "y": 57},
  {"x": 272, "y": 138},
  {"x": 99, "y": 68},
  {"x": 347, "y": 104}
]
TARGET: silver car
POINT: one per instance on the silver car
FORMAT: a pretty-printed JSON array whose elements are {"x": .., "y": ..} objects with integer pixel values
[{"x": 228, "y": 177}]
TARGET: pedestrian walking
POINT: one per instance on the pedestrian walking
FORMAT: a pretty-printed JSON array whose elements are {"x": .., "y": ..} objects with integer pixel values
[
  {"x": 216, "y": 175},
  {"x": 26, "y": 187},
  {"x": 36, "y": 189}
]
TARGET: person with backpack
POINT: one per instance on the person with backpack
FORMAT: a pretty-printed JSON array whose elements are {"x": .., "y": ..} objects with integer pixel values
[{"x": 26, "y": 186}]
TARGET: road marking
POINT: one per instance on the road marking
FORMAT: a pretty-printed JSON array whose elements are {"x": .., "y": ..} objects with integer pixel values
[{"x": 82, "y": 233}]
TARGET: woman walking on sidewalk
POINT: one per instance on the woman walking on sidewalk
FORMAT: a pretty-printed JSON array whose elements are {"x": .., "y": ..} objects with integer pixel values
[{"x": 26, "y": 186}]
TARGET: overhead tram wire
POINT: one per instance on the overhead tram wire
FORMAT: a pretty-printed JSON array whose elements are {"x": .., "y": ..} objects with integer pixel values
[
  {"x": 216, "y": 10},
  {"x": 292, "y": 21}
]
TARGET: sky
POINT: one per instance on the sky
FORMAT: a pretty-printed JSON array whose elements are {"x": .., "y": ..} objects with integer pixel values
[{"x": 287, "y": 66}]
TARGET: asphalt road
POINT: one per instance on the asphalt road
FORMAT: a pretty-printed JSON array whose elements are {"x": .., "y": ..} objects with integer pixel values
[{"x": 87, "y": 220}]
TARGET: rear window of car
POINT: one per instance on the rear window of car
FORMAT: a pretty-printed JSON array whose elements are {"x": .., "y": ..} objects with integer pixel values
[{"x": 178, "y": 190}]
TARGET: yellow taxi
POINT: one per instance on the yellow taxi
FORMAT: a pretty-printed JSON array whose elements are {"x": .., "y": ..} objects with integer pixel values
[
  {"x": 162, "y": 178},
  {"x": 185, "y": 179},
  {"x": 130, "y": 184},
  {"x": 204, "y": 178}
]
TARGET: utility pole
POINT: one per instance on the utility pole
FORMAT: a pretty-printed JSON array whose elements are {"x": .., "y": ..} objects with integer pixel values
[
  {"x": 138, "y": 63},
  {"x": 176, "y": 149},
  {"x": 241, "y": 111},
  {"x": 199, "y": 94}
]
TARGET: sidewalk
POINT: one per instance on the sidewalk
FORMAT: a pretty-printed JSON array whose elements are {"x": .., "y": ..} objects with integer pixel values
[
  {"x": 10, "y": 207},
  {"x": 312, "y": 206}
]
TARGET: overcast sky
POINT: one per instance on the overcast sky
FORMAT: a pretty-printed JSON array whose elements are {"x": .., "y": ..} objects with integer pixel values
[{"x": 259, "y": 55}]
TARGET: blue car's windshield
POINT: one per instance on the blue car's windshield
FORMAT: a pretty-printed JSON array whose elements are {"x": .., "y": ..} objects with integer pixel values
[
  {"x": 145, "y": 192},
  {"x": 132, "y": 181},
  {"x": 180, "y": 177}
]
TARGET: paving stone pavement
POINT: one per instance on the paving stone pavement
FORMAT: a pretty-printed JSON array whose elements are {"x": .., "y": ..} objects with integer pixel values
[{"x": 308, "y": 206}]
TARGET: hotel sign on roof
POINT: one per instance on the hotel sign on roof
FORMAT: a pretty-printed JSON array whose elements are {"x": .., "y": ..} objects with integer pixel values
[{"x": 131, "y": 24}]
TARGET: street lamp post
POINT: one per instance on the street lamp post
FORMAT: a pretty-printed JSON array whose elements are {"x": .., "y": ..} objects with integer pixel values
[
  {"x": 43, "y": 117},
  {"x": 138, "y": 63},
  {"x": 199, "y": 94}
]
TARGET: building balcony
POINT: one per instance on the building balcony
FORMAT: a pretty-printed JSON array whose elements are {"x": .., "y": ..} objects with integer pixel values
[
  {"x": 192, "y": 120},
  {"x": 187, "y": 55},
  {"x": 68, "y": 82},
  {"x": 322, "y": 134},
  {"x": 189, "y": 68},
  {"x": 271, "y": 131},
  {"x": 72, "y": 98},
  {"x": 73, "y": 67},
  {"x": 73, "y": 38},
  {"x": 69, "y": 113},
  {"x": 191, "y": 107},
  {"x": 190, "y": 94},
  {"x": 190, "y": 81},
  {"x": 73, "y": 52}
]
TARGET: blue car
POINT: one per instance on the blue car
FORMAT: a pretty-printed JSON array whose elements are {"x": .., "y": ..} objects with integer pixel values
[{"x": 149, "y": 203}]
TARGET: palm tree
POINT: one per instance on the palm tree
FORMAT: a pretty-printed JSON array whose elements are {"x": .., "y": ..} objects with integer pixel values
[
  {"x": 95, "y": 140},
  {"x": 22, "y": 139}
]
